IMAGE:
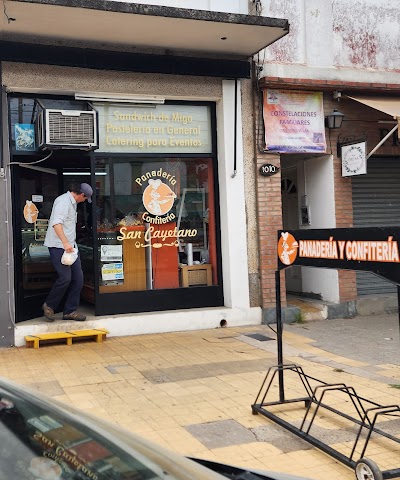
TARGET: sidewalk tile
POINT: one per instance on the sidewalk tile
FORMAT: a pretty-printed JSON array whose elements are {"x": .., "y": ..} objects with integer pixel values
[{"x": 162, "y": 385}]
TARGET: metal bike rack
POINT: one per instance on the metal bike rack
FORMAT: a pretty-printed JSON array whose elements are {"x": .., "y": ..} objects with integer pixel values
[{"x": 316, "y": 392}]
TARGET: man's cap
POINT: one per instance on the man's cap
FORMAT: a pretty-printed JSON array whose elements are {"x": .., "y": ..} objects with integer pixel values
[{"x": 87, "y": 190}]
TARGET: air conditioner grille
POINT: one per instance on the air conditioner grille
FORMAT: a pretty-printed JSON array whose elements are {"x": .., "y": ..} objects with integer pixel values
[{"x": 64, "y": 129}]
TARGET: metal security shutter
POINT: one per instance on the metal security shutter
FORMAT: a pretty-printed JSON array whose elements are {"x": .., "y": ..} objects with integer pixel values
[{"x": 376, "y": 203}]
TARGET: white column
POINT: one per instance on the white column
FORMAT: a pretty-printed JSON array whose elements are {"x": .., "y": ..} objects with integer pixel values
[
  {"x": 232, "y": 200},
  {"x": 317, "y": 176}
]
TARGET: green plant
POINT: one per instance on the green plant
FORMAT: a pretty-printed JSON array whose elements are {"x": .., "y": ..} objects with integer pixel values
[
  {"x": 394, "y": 385},
  {"x": 299, "y": 317},
  {"x": 338, "y": 370}
]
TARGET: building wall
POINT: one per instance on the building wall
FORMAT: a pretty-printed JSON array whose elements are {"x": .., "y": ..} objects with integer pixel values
[
  {"x": 71, "y": 80},
  {"x": 334, "y": 45},
  {"x": 269, "y": 215},
  {"x": 335, "y": 40},
  {"x": 250, "y": 182},
  {"x": 359, "y": 120}
]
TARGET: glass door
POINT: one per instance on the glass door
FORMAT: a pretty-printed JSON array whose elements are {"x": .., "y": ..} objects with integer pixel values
[{"x": 34, "y": 191}]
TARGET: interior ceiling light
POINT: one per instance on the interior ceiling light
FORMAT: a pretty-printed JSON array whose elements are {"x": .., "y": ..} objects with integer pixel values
[{"x": 79, "y": 174}]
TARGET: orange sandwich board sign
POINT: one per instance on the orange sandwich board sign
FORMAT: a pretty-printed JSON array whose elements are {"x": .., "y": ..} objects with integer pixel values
[{"x": 373, "y": 249}]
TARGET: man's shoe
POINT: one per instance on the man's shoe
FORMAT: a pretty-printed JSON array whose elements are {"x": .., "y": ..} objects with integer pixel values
[
  {"x": 78, "y": 317},
  {"x": 48, "y": 313}
]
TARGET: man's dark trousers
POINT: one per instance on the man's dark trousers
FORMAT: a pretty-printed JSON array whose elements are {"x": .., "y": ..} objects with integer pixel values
[{"x": 70, "y": 277}]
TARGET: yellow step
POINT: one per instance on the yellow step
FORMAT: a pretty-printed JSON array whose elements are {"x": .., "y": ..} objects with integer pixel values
[
  {"x": 35, "y": 339},
  {"x": 98, "y": 333}
]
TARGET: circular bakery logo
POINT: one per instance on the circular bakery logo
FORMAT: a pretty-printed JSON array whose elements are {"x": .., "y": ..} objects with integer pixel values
[
  {"x": 287, "y": 248},
  {"x": 30, "y": 212},
  {"x": 158, "y": 197},
  {"x": 354, "y": 160}
]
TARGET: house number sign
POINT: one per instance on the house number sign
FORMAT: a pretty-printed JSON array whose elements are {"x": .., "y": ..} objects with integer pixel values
[{"x": 268, "y": 169}]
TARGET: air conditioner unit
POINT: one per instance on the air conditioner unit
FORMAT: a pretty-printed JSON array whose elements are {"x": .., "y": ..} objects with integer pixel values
[{"x": 67, "y": 129}]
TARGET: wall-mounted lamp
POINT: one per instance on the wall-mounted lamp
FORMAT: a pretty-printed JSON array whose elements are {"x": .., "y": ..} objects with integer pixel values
[{"x": 334, "y": 120}]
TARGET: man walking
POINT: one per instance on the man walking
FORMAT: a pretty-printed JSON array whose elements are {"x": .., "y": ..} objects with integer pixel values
[{"x": 60, "y": 237}]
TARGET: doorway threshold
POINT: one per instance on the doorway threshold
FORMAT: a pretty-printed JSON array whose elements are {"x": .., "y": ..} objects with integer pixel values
[
  {"x": 40, "y": 325},
  {"x": 85, "y": 308}
]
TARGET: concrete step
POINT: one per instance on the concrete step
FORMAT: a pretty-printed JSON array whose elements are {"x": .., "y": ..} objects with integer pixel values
[
  {"x": 310, "y": 309},
  {"x": 364, "y": 305},
  {"x": 377, "y": 304}
]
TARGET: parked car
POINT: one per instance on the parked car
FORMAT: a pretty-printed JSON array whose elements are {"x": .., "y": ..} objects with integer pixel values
[{"x": 41, "y": 439}]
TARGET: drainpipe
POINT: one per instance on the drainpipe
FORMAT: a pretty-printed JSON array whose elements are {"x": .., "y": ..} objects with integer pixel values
[
  {"x": 235, "y": 132},
  {"x": 255, "y": 100},
  {"x": 2, "y": 95}
]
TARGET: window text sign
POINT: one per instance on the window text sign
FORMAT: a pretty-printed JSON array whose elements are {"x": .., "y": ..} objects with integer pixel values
[{"x": 154, "y": 128}]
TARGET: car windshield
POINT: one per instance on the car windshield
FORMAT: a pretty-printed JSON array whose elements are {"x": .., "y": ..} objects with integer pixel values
[{"x": 41, "y": 443}]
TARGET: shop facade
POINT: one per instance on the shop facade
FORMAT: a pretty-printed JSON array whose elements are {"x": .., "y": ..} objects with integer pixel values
[
  {"x": 156, "y": 220},
  {"x": 168, "y": 149},
  {"x": 362, "y": 84},
  {"x": 317, "y": 192}
]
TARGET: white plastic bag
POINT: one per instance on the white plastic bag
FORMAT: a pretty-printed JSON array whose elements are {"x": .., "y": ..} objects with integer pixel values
[{"x": 68, "y": 258}]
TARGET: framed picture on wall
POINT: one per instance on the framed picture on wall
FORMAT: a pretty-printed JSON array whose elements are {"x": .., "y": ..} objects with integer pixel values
[{"x": 24, "y": 137}]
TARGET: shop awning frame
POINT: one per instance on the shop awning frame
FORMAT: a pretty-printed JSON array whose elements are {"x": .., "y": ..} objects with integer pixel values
[
  {"x": 141, "y": 26},
  {"x": 388, "y": 105},
  {"x": 97, "y": 59}
]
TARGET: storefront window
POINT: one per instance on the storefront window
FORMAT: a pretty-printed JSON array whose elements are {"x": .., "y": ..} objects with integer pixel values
[
  {"x": 23, "y": 116},
  {"x": 155, "y": 224},
  {"x": 149, "y": 240}
]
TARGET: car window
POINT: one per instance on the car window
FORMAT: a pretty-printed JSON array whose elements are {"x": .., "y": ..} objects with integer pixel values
[{"x": 39, "y": 443}]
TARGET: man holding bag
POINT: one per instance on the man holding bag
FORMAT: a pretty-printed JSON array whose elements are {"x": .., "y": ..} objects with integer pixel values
[{"x": 60, "y": 239}]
